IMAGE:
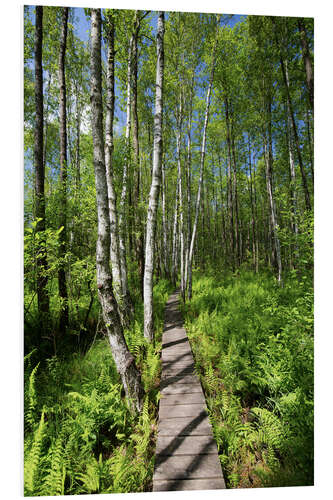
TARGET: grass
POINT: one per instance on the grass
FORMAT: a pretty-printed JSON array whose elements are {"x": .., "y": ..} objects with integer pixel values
[{"x": 253, "y": 346}]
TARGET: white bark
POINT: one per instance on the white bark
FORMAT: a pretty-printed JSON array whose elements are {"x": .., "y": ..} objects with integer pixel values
[
  {"x": 155, "y": 185},
  {"x": 174, "y": 261},
  {"x": 114, "y": 233},
  {"x": 273, "y": 219},
  {"x": 164, "y": 224},
  {"x": 122, "y": 205},
  {"x": 180, "y": 196},
  {"x": 202, "y": 162},
  {"x": 123, "y": 359}
]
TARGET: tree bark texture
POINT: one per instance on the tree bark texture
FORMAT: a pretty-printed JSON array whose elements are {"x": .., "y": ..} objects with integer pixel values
[
  {"x": 139, "y": 239},
  {"x": 114, "y": 233},
  {"x": 155, "y": 184},
  {"x": 124, "y": 361},
  {"x": 269, "y": 184},
  {"x": 124, "y": 192}
]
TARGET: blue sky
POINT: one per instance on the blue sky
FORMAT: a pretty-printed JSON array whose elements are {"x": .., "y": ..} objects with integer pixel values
[{"x": 82, "y": 27}]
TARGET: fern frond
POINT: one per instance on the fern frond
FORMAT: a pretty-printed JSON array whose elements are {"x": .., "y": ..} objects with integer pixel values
[
  {"x": 30, "y": 416},
  {"x": 32, "y": 461}
]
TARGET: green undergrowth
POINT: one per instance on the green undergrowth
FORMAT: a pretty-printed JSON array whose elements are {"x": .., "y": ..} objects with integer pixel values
[
  {"x": 80, "y": 437},
  {"x": 253, "y": 347}
]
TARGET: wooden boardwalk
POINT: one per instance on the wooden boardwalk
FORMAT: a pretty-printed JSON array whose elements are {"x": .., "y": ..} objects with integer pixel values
[{"x": 186, "y": 452}]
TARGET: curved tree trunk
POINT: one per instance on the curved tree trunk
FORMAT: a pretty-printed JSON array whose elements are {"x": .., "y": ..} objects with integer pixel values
[
  {"x": 124, "y": 361},
  {"x": 155, "y": 184}
]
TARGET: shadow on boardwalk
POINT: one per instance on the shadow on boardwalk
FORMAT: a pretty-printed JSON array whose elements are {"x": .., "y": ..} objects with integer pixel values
[{"x": 186, "y": 452}]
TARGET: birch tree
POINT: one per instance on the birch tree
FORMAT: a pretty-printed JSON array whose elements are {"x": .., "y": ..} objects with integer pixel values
[
  {"x": 124, "y": 360},
  {"x": 202, "y": 162},
  {"x": 155, "y": 184},
  {"x": 114, "y": 232}
]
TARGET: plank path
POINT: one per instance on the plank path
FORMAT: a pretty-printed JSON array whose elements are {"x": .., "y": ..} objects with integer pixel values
[{"x": 186, "y": 452}]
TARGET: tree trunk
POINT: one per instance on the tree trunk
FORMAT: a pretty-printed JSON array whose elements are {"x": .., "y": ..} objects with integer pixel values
[
  {"x": 293, "y": 199},
  {"x": 230, "y": 186},
  {"x": 63, "y": 323},
  {"x": 114, "y": 232},
  {"x": 253, "y": 221},
  {"x": 269, "y": 184},
  {"x": 164, "y": 226},
  {"x": 174, "y": 238},
  {"x": 292, "y": 116},
  {"x": 179, "y": 121},
  {"x": 188, "y": 188},
  {"x": 42, "y": 292},
  {"x": 202, "y": 162},
  {"x": 124, "y": 361},
  {"x": 122, "y": 206},
  {"x": 155, "y": 184},
  {"x": 235, "y": 195},
  {"x": 307, "y": 61}
]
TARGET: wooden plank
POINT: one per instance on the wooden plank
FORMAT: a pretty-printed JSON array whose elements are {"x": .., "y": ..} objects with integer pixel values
[
  {"x": 181, "y": 388},
  {"x": 176, "y": 349},
  {"x": 177, "y": 365},
  {"x": 176, "y": 399},
  {"x": 181, "y": 357},
  {"x": 187, "y": 378},
  {"x": 185, "y": 426},
  {"x": 186, "y": 452},
  {"x": 190, "y": 410},
  {"x": 216, "y": 483},
  {"x": 177, "y": 371},
  {"x": 187, "y": 467},
  {"x": 186, "y": 445}
]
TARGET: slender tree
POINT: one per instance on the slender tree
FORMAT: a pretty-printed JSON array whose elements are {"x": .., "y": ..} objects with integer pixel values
[
  {"x": 307, "y": 60},
  {"x": 114, "y": 233},
  {"x": 202, "y": 162},
  {"x": 63, "y": 172},
  {"x": 155, "y": 184},
  {"x": 42, "y": 291},
  {"x": 123, "y": 359}
]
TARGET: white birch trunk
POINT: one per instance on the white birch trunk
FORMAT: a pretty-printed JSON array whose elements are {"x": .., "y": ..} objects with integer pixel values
[
  {"x": 202, "y": 162},
  {"x": 164, "y": 224},
  {"x": 123, "y": 359},
  {"x": 122, "y": 248},
  {"x": 174, "y": 238},
  {"x": 180, "y": 195},
  {"x": 155, "y": 185},
  {"x": 114, "y": 233},
  {"x": 273, "y": 219}
]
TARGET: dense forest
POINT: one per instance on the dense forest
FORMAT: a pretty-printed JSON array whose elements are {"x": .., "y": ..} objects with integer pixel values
[{"x": 163, "y": 151}]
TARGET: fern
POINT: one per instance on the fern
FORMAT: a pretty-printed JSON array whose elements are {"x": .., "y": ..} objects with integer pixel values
[
  {"x": 30, "y": 415},
  {"x": 54, "y": 481},
  {"x": 31, "y": 464},
  {"x": 93, "y": 477}
]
